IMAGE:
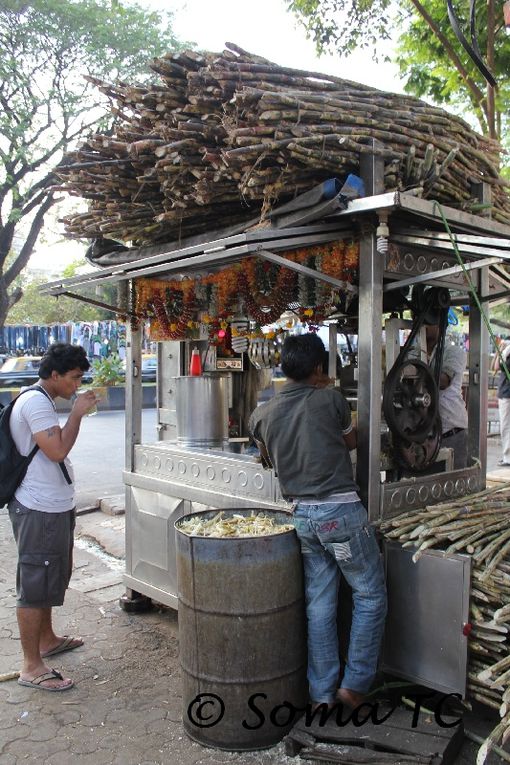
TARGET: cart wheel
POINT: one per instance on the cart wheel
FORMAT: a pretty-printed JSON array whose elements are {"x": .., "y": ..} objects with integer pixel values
[
  {"x": 135, "y": 603},
  {"x": 410, "y": 400}
]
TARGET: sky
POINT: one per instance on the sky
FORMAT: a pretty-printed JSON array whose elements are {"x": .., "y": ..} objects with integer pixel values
[
  {"x": 263, "y": 27},
  {"x": 266, "y": 28}
]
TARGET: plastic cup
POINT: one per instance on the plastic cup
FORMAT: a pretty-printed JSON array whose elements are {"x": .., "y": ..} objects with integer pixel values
[{"x": 92, "y": 411}]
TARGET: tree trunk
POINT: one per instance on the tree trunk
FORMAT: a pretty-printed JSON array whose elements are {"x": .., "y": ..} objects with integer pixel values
[
  {"x": 6, "y": 300},
  {"x": 7, "y": 276}
]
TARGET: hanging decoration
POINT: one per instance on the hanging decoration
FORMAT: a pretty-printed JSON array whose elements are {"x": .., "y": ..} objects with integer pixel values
[
  {"x": 239, "y": 329},
  {"x": 178, "y": 307}
]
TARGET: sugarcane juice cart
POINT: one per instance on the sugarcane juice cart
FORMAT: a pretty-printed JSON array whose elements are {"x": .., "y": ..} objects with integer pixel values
[
  {"x": 232, "y": 139},
  {"x": 401, "y": 245}
]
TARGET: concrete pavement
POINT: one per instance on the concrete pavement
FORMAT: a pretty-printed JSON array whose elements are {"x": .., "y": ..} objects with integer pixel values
[{"x": 125, "y": 708}]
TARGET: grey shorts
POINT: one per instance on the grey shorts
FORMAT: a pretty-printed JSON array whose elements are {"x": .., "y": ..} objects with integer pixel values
[{"x": 45, "y": 549}]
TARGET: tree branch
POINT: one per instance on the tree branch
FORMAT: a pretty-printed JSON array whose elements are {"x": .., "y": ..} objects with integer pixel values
[
  {"x": 28, "y": 247},
  {"x": 6, "y": 238},
  {"x": 64, "y": 141},
  {"x": 14, "y": 297},
  {"x": 37, "y": 200},
  {"x": 477, "y": 94}
]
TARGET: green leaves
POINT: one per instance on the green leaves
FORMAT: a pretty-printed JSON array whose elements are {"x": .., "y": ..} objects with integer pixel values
[
  {"x": 108, "y": 371},
  {"x": 345, "y": 25},
  {"x": 35, "y": 307},
  {"x": 46, "y": 104},
  {"x": 427, "y": 51}
]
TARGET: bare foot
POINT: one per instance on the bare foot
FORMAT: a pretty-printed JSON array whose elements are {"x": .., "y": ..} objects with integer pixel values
[
  {"x": 351, "y": 699},
  {"x": 322, "y": 705}
]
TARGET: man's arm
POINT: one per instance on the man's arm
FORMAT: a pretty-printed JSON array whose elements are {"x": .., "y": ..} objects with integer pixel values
[
  {"x": 56, "y": 442},
  {"x": 505, "y": 353},
  {"x": 266, "y": 459},
  {"x": 351, "y": 439},
  {"x": 349, "y": 431}
]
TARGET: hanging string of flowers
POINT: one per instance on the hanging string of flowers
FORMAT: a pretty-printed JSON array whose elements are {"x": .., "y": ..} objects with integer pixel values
[
  {"x": 318, "y": 299},
  {"x": 267, "y": 290},
  {"x": 266, "y": 307}
]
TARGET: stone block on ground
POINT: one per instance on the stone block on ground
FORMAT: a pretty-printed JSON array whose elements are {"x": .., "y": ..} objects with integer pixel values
[
  {"x": 106, "y": 531},
  {"x": 113, "y": 505}
]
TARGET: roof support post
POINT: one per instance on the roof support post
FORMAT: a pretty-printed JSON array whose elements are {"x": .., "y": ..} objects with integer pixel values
[
  {"x": 478, "y": 371},
  {"x": 369, "y": 349},
  {"x": 133, "y": 385}
]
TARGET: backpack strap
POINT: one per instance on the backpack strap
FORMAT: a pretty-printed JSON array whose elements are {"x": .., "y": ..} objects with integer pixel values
[
  {"x": 30, "y": 455},
  {"x": 62, "y": 465}
]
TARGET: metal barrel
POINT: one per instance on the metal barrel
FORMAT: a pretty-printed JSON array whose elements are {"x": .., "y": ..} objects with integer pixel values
[
  {"x": 202, "y": 410},
  {"x": 242, "y": 635}
]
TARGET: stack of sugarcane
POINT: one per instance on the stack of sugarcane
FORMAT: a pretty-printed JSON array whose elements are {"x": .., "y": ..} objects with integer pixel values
[
  {"x": 478, "y": 525},
  {"x": 225, "y": 137}
]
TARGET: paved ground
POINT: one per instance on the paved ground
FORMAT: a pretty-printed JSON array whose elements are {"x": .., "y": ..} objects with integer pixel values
[{"x": 125, "y": 708}]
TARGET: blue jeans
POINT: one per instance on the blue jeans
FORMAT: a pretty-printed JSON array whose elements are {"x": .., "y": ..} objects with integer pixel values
[{"x": 338, "y": 538}]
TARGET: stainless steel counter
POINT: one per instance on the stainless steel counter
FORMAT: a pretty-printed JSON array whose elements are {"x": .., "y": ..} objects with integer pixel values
[
  {"x": 169, "y": 481},
  {"x": 207, "y": 474}
]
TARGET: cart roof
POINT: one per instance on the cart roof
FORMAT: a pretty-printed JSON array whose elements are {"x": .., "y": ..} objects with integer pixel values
[{"x": 414, "y": 222}]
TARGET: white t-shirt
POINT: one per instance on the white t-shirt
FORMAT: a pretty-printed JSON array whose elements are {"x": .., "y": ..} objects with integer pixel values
[
  {"x": 44, "y": 487},
  {"x": 452, "y": 408}
]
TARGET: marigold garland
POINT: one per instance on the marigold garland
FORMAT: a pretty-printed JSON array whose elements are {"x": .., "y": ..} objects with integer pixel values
[{"x": 266, "y": 289}]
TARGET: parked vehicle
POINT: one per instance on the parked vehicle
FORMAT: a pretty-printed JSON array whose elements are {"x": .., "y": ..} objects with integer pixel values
[
  {"x": 149, "y": 367},
  {"x": 24, "y": 370},
  {"x": 19, "y": 370}
]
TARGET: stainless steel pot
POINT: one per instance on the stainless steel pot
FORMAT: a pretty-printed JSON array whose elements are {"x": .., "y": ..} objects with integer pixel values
[{"x": 202, "y": 410}]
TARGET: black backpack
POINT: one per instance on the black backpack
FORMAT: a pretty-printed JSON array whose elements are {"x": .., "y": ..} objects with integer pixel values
[{"x": 13, "y": 465}]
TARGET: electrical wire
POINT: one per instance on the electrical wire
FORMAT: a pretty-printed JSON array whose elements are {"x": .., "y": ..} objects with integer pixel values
[{"x": 472, "y": 290}]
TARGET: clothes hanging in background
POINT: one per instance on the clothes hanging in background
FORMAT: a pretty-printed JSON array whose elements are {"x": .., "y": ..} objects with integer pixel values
[{"x": 97, "y": 338}]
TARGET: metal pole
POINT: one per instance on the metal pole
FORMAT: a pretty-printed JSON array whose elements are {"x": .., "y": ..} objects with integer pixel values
[
  {"x": 133, "y": 386},
  {"x": 478, "y": 377},
  {"x": 333, "y": 340},
  {"x": 369, "y": 349}
]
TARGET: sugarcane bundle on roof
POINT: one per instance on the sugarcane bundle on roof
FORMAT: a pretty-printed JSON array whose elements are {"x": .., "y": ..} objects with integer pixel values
[{"x": 224, "y": 137}]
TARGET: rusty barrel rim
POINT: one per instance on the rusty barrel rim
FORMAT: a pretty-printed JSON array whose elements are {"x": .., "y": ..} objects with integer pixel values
[{"x": 286, "y": 517}]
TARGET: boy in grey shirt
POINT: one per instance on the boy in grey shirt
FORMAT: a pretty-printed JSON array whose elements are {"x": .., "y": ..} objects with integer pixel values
[{"x": 305, "y": 432}]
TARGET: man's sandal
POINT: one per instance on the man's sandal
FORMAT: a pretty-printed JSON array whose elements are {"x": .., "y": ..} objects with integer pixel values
[{"x": 38, "y": 681}]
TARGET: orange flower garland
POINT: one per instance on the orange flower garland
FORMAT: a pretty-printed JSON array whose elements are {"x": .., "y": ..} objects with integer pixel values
[
  {"x": 274, "y": 303},
  {"x": 267, "y": 290}
]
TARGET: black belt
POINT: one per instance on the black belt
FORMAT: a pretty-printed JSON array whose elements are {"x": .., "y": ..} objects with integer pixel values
[{"x": 452, "y": 432}]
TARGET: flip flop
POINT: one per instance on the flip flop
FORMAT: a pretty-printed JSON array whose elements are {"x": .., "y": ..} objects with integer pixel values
[
  {"x": 37, "y": 682},
  {"x": 67, "y": 644}
]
